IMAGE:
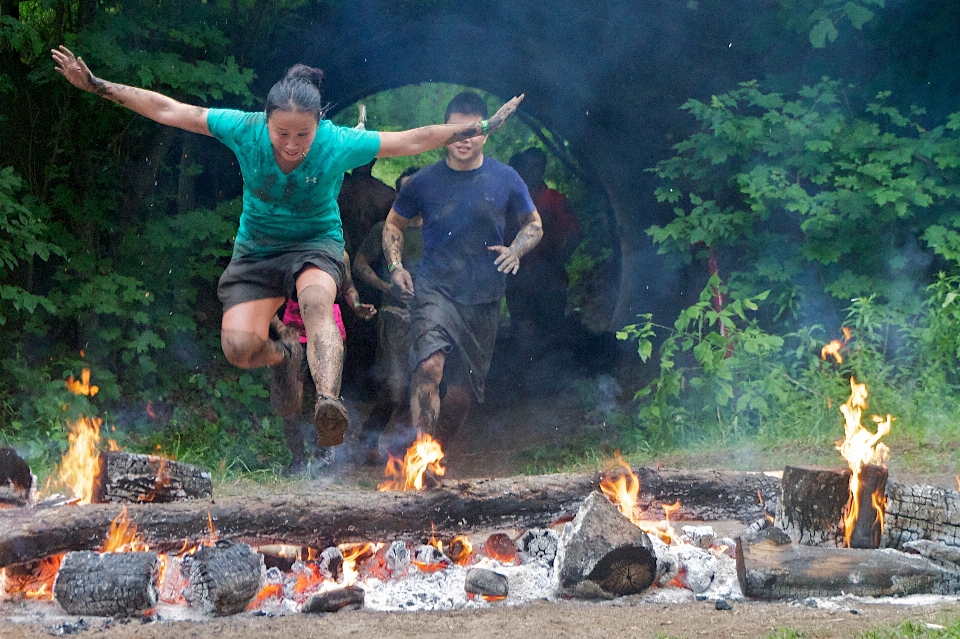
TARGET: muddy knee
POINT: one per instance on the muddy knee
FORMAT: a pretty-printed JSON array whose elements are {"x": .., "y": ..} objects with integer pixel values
[
  {"x": 429, "y": 370},
  {"x": 243, "y": 349}
]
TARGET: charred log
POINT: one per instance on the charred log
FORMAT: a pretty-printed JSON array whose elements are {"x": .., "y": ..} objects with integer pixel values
[
  {"x": 131, "y": 478},
  {"x": 868, "y": 526},
  {"x": 107, "y": 585},
  {"x": 223, "y": 578},
  {"x": 812, "y": 504},
  {"x": 486, "y": 583},
  {"x": 326, "y": 519},
  {"x": 776, "y": 569},
  {"x": 921, "y": 512},
  {"x": 348, "y": 598}
]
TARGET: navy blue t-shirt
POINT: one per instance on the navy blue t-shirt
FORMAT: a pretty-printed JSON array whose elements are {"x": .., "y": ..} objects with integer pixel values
[{"x": 464, "y": 212}]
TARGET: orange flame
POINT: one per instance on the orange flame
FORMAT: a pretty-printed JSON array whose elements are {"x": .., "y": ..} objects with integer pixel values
[
  {"x": 860, "y": 447},
  {"x": 81, "y": 464},
  {"x": 833, "y": 348},
  {"x": 423, "y": 455},
  {"x": 122, "y": 536},
  {"x": 460, "y": 550},
  {"x": 624, "y": 493},
  {"x": 37, "y": 583}
]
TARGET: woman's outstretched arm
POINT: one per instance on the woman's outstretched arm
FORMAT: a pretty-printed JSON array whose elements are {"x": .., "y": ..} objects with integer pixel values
[
  {"x": 155, "y": 106},
  {"x": 426, "y": 138}
]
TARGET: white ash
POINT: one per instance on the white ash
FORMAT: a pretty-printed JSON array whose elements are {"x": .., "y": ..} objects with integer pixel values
[
  {"x": 330, "y": 562},
  {"x": 538, "y": 544},
  {"x": 699, "y": 567},
  {"x": 699, "y": 536}
]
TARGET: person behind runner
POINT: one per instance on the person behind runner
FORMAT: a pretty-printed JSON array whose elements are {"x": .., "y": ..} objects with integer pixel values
[
  {"x": 537, "y": 296},
  {"x": 290, "y": 327},
  {"x": 465, "y": 200},
  {"x": 391, "y": 369},
  {"x": 290, "y": 240}
]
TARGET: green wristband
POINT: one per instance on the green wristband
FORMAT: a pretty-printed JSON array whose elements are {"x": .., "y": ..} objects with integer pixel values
[
  {"x": 484, "y": 126},
  {"x": 392, "y": 266}
]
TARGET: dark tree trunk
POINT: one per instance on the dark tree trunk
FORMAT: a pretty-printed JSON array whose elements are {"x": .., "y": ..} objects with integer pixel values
[
  {"x": 325, "y": 519},
  {"x": 223, "y": 578},
  {"x": 10, "y": 8}
]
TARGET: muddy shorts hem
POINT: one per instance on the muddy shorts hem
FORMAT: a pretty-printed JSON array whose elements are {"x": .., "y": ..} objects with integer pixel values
[{"x": 255, "y": 278}]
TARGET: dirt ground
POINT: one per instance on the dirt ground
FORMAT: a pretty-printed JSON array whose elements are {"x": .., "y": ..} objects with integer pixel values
[
  {"x": 544, "y": 620},
  {"x": 493, "y": 444}
]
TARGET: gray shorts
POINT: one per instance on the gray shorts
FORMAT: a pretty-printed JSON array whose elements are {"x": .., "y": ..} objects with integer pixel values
[
  {"x": 466, "y": 333},
  {"x": 256, "y": 278}
]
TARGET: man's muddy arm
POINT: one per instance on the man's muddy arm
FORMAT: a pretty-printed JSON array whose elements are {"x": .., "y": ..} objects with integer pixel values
[
  {"x": 393, "y": 252},
  {"x": 527, "y": 237},
  {"x": 361, "y": 267}
]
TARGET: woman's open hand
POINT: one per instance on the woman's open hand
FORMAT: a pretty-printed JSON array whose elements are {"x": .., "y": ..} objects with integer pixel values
[{"x": 74, "y": 69}]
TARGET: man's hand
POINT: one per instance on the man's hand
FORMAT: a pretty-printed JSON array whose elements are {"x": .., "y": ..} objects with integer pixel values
[
  {"x": 508, "y": 261},
  {"x": 74, "y": 69},
  {"x": 402, "y": 284},
  {"x": 364, "y": 311}
]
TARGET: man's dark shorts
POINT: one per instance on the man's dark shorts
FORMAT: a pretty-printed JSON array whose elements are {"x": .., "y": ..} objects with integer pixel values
[
  {"x": 253, "y": 278},
  {"x": 466, "y": 333}
]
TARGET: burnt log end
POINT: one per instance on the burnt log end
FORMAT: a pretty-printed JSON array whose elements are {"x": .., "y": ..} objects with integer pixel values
[{"x": 107, "y": 585}]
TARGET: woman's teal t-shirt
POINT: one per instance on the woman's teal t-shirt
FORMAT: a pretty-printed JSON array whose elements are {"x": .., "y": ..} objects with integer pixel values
[{"x": 297, "y": 211}]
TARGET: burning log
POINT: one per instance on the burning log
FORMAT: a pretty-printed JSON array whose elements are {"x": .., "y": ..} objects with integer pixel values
[
  {"x": 602, "y": 554},
  {"x": 774, "y": 568},
  {"x": 326, "y": 519},
  {"x": 17, "y": 483},
  {"x": 812, "y": 504},
  {"x": 347, "y": 598},
  {"x": 108, "y": 584},
  {"x": 538, "y": 544},
  {"x": 486, "y": 583},
  {"x": 921, "y": 512},
  {"x": 223, "y": 578},
  {"x": 130, "y": 478},
  {"x": 868, "y": 519}
]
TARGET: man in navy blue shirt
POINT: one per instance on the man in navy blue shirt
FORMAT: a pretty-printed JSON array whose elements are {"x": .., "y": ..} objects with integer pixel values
[{"x": 465, "y": 200}]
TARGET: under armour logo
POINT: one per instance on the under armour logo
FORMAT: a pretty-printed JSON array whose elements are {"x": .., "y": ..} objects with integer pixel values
[{"x": 311, "y": 179}]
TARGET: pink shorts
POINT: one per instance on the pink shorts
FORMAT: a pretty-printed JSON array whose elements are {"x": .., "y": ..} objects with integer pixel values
[{"x": 291, "y": 317}]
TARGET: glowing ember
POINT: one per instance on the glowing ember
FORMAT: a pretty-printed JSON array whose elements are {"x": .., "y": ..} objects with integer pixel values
[
  {"x": 833, "y": 348},
  {"x": 500, "y": 547},
  {"x": 460, "y": 550},
  {"x": 408, "y": 474},
  {"x": 860, "y": 447},
  {"x": 81, "y": 464},
  {"x": 30, "y": 581}
]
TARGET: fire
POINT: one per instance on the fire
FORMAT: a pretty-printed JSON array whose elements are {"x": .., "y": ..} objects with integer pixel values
[
  {"x": 860, "y": 447},
  {"x": 82, "y": 462},
  {"x": 833, "y": 348},
  {"x": 624, "y": 492},
  {"x": 31, "y": 581},
  {"x": 423, "y": 456},
  {"x": 122, "y": 536}
]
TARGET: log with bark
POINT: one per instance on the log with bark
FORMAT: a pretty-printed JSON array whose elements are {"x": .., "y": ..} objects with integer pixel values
[
  {"x": 109, "y": 584},
  {"x": 811, "y": 506},
  {"x": 775, "y": 568},
  {"x": 323, "y": 519},
  {"x": 920, "y": 512},
  {"x": 130, "y": 478}
]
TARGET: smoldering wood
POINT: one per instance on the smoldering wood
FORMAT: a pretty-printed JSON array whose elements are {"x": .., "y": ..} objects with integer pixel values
[
  {"x": 811, "y": 506},
  {"x": 223, "y": 578},
  {"x": 130, "y": 478},
  {"x": 486, "y": 583},
  {"x": 868, "y": 526},
  {"x": 920, "y": 512},
  {"x": 323, "y": 519},
  {"x": 937, "y": 552},
  {"x": 538, "y": 544},
  {"x": 17, "y": 483},
  {"x": 602, "y": 554},
  {"x": 346, "y": 598},
  {"x": 769, "y": 569},
  {"x": 107, "y": 585}
]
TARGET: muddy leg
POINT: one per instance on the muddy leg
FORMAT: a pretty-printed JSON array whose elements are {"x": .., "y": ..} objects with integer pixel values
[
  {"x": 453, "y": 413},
  {"x": 425, "y": 393}
]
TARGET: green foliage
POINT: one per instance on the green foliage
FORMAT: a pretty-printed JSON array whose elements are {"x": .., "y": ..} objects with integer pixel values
[
  {"x": 803, "y": 186},
  {"x": 24, "y": 235},
  {"x": 823, "y": 19},
  {"x": 948, "y": 629}
]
